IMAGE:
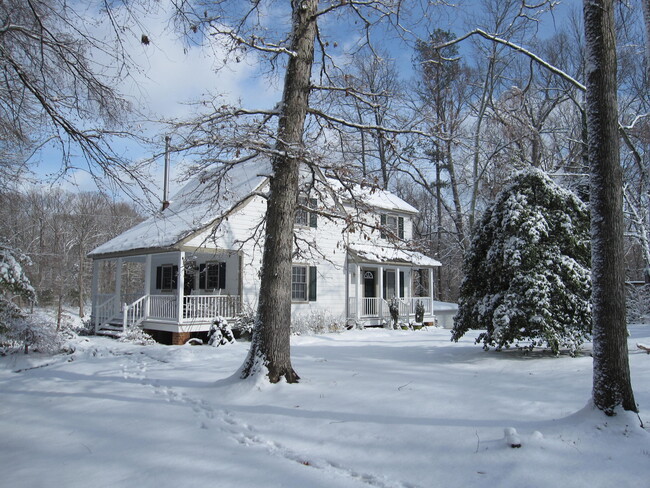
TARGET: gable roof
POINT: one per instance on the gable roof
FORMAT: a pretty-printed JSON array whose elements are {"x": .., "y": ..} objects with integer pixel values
[
  {"x": 192, "y": 209},
  {"x": 371, "y": 196}
]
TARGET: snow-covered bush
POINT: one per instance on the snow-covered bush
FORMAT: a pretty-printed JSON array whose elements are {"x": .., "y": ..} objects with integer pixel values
[
  {"x": 29, "y": 331},
  {"x": 419, "y": 312},
  {"x": 393, "y": 309},
  {"x": 638, "y": 304},
  {"x": 527, "y": 271},
  {"x": 220, "y": 333},
  {"x": 316, "y": 322},
  {"x": 245, "y": 322},
  {"x": 136, "y": 335},
  {"x": 17, "y": 327}
]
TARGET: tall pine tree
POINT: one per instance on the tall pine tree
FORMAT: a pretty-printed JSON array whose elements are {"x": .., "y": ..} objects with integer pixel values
[{"x": 527, "y": 272}]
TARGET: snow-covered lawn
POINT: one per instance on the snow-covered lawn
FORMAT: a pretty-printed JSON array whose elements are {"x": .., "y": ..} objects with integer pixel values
[{"x": 374, "y": 408}]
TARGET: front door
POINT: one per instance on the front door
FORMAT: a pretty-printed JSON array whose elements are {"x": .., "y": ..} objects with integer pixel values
[
  {"x": 369, "y": 292},
  {"x": 390, "y": 285}
]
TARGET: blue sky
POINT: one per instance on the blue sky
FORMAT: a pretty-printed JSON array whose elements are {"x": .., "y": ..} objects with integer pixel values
[{"x": 169, "y": 73}]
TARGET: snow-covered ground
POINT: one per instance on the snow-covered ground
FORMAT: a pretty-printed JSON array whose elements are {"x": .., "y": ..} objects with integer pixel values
[{"x": 374, "y": 408}]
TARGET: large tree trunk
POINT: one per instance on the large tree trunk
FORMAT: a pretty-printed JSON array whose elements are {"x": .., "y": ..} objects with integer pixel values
[
  {"x": 611, "y": 373},
  {"x": 646, "y": 22},
  {"x": 270, "y": 349}
]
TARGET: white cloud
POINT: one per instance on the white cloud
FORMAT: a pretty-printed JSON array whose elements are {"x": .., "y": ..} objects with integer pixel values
[{"x": 169, "y": 73}]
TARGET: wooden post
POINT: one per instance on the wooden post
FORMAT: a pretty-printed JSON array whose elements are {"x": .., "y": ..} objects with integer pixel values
[
  {"x": 118, "y": 284},
  {"x": 147, "y": 284},
  {"x": 180, "y": 284},
  {"x": 95, "y": 292}
]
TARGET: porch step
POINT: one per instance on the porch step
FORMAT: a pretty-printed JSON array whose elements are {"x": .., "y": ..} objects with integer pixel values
[{"x": 110, "y": 329}]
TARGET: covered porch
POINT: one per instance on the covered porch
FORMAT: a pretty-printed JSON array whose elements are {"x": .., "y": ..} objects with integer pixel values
[
  {"x": 179, "y": 292},
  {"x": 375, "y": 279}
]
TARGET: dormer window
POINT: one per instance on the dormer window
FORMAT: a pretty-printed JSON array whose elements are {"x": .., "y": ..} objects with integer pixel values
[{"x": 392, "y": 226}]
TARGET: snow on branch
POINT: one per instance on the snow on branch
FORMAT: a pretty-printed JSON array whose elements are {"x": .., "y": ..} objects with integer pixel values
[
  {"x": 516, "y": 47},
  {"x": 355, "y": 125},
  {"x": 254, "y": 42}
]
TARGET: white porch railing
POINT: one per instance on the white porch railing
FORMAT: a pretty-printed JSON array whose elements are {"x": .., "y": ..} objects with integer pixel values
[
  {"x": 195, "y": 307},
  {"x": 163, "y": 307},
  {"x": 134, "y": 314},
  {"x": 379, "y": 308},
  {"x": 206, "y": 307},
  {"x": 105, "y": 310}
]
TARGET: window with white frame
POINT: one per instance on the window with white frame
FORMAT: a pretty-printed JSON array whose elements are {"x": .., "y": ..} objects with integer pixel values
[
  {"x": 299, "y": 283},
  {"x": 305, "y": 217},
  {"x": 211, "y": 275},
  {"x": 392, "y": 226},
  {"x": 166, "y": 277},
  {"x": 303, "y": 283}
]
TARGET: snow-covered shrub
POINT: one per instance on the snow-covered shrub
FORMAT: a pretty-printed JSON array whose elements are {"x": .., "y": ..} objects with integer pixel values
[
  {"x": 136, "y": 335},
  {"x": 638, "y": 304},
  {"x": 17, "y": 327},
  {"x": 220, "y": 333},
  {"x": 25, "y": 332},
  {"x": 316, "y": 322},
  {"x": 393, "y": 309},
  {"x": 527, "y": 271},
  {"x": 245, "y": 322},
  {"x": 419, "y": 312}
]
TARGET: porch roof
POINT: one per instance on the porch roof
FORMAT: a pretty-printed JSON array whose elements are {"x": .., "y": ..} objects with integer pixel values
[
  {"x": 192, "y": 209},
  {"x": 386, "y": 254}
]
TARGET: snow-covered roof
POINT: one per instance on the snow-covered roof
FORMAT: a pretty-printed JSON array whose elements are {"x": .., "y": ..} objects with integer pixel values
[
  {"x": 192, "y": 209},
  {"x": 372, "y": 197},
  {"x": 387, "y": 254}
]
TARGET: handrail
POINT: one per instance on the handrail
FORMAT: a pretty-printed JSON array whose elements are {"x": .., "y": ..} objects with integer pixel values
[
  {"x": 135, "y": 313},
  {"x": 104, "y": 312}
]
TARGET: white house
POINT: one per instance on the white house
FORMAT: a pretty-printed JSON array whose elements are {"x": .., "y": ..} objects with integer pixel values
[{"x": 201, "y": 257}]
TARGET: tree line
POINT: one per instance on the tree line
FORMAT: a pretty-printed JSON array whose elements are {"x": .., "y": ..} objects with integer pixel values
[{"x": 56, "y": 230}]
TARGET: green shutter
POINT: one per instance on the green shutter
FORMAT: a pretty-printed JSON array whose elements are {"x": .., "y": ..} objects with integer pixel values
[
  {"x": 313, "y": 216},
  {"x": 202, "y": 276},
  {"x": 174, "y": 277},
  {"x": 383, "y": 224},
  {"x": 159, "y": 278},
  {"x": 400, "y": 227},
  {"x": 313, "y": 277},
  {"x": 222, "y": 275}
]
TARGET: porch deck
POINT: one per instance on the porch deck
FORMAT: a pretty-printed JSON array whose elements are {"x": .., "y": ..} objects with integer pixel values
[
  {"x": 376, "y": 311},
  {"x": 195, "y": 310}
]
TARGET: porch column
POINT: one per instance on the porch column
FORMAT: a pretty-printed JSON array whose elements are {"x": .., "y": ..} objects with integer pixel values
[
  {"x": 180, "y": 284},
  {"x": 147, "y": 284},
  {"x": 380, "y": 294},
  {"x": 118, "y": 284},
  {"x": 397, "y": 283},
  {"x": 357, "y": 290},
  {"x": 95, "y": 292},
  {"x": 431, "y": 293},
  {"x": 240, "y": 305}
]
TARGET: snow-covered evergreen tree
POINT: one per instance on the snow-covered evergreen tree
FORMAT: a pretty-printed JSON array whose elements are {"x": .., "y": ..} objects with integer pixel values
[
  {"x": 15, "y": 325},
  {"x": 527, "y": 272}
]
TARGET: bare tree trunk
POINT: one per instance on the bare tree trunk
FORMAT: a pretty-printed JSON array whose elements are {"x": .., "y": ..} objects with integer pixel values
[
  {"x": 611, "y": 375},
  {"x": 80, "y": 279},
  {"x": 270, "y": 349},
  {"x": 646, "y": 22}
]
